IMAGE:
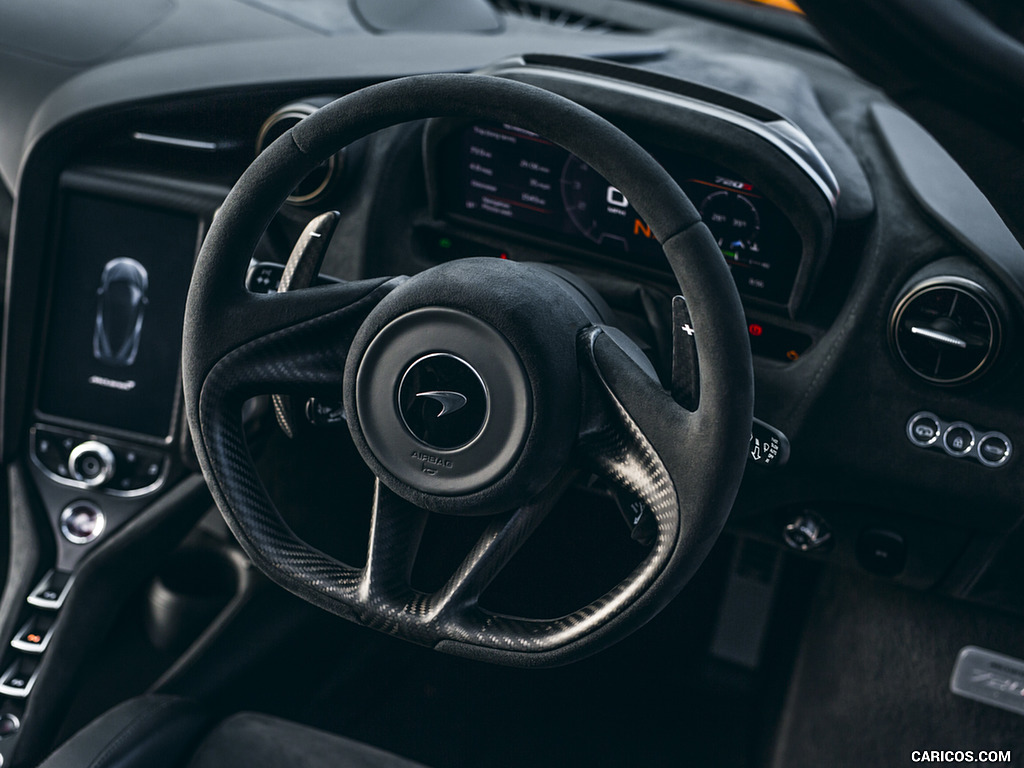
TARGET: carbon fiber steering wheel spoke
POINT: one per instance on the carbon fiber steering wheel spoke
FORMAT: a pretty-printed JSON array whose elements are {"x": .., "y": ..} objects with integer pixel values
[
  {"x": 496, "y": 546},
  {"x": 293, "y": 342},
  {"x": 395, "y": 530},
  {"x": 615, "y": 385}
]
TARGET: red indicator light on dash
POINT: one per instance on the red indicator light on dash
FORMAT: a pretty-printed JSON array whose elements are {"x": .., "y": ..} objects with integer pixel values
[
  {"x": 503, "y": 256},
  {"x": 755, "y": 329}
]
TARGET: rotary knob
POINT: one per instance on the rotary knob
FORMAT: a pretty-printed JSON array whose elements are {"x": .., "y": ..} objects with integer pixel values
[
  {"x": 82, "y": 522},
  {"x": 807, "y": 532},
  {"x": 91, "y": 463}
]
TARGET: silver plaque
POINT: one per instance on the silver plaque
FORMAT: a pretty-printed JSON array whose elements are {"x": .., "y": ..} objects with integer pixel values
[{"x": 990, "y": 678}]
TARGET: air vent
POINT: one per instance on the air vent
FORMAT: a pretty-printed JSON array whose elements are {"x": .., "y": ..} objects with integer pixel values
[
  {"x": 946, "y": 330},
  {"x": 558, "y": 17},
  {"x": 315, "y": 185}
]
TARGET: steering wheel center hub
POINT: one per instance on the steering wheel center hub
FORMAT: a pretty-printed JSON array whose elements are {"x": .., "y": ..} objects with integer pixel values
[
  {"x": 465, "y": 393},
  {"x": 443, "y": 401}
]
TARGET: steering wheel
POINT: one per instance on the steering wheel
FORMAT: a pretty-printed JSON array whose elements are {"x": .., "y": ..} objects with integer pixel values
[{"x": 472, "y": 388}]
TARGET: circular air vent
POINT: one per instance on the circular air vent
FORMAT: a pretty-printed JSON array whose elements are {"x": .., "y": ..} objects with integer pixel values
[
  {"x": 946, "y": 330},
  {"x": 315, "y": 185}
]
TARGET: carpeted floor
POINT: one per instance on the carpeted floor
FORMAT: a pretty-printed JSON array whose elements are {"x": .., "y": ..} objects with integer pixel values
[{"x": 871, "y": 684}]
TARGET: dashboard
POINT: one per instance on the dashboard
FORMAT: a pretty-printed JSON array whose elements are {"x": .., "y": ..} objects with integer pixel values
[
  {"x": 796, "y": 178},
  {"x": 107, "y": 407},
  {"x": 133, "y": 204}
]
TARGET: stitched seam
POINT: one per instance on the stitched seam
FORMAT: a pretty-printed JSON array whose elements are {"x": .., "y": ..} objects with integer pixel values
[
  {"x": 124, "y": 733},
  {"x": 678, "y": 232}
]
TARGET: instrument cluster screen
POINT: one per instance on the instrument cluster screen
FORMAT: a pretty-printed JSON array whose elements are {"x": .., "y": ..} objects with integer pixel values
[{"x": 510, "y": 177}]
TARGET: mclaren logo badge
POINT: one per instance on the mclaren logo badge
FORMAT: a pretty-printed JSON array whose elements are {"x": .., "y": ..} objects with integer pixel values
[
  {"x": 442, "y": 401},
  {"x": 450, "y": 402}
]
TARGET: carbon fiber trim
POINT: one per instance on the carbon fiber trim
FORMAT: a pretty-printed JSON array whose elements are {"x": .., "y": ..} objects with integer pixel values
[
  {"x": 308, "y": 358},
  {"x": 379, "y": 595}
]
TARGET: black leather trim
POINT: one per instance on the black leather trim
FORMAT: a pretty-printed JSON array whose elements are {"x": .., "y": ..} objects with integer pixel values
[
  {"x": 147, "y": 732},
  {"x": 260, "y": 741},
  {"x": 169, "y": 732}
]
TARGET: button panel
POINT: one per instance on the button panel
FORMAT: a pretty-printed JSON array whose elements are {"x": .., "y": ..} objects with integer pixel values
[
  {"x": 82, "y": 461},
  {"x": 959, "y": 439},
  {"x": 22, "y": 663}
]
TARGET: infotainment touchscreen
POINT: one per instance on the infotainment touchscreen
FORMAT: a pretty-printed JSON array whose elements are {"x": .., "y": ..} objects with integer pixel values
[{"x": 113, "y": 341}]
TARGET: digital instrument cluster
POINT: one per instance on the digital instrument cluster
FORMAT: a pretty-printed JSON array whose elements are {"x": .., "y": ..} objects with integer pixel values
[{"x": 507, "y": 176}]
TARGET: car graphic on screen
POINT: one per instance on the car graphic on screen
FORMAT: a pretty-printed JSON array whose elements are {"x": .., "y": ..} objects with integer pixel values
[{"x": 120, "y": 309}]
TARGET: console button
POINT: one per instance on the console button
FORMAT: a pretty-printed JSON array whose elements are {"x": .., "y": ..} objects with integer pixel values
[
  {"x": 994, "y": 449},
  {"x": 771, "y": 341},
  {"x": 82, "y": 522},
  {"x": 923, "y": 429},
  {"x": 34, "y": 635},
  {"x": 19, "y": 678},
  {"x": 137, "y": 469},
  {"x": 958, "y": 439},
  {"x": 9, "y": 725},
  {"x": 127, "y": 466},
  {"x": 882, "y": 552},
  {"x": 51, "y": 590},
  {"x": 89, "y": 467},
  {"x": 15, "y": 682},
  {"x": 50, "y": 452},
  {"x": 150, "y": 468}
]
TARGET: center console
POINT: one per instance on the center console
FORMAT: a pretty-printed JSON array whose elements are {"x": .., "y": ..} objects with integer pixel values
[
  {"x": 106, "y": 433},
  {"x": 107, "y": 404}
]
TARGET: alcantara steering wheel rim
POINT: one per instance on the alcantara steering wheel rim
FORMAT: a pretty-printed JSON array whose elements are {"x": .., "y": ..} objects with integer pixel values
[{"x": 685, "y": 465}]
